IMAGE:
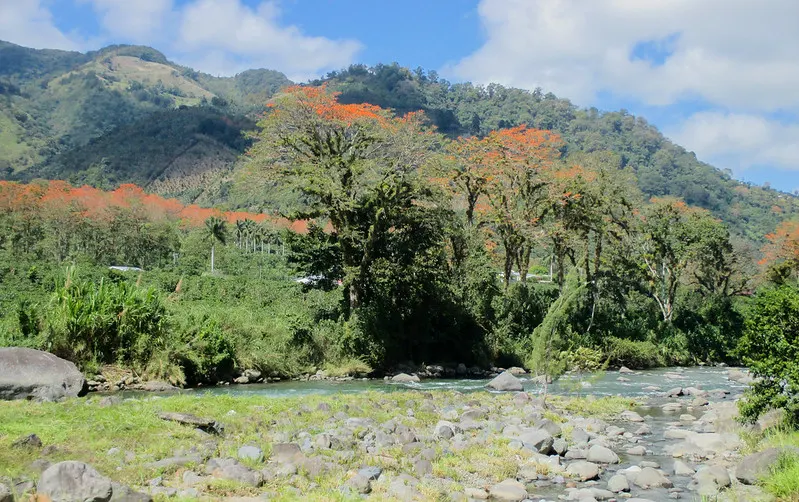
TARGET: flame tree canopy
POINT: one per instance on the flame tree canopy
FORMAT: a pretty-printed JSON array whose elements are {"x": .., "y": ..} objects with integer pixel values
[
  {"x": 122, "y": 226},
  {"x": 356, "y": 165}
]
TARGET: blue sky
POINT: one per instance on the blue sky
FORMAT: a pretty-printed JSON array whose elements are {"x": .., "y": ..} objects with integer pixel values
[{"x": 720, "y": 77}]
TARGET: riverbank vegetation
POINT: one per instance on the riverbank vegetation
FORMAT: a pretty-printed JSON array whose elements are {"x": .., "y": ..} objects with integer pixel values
[{"x": 411, "y": 248}]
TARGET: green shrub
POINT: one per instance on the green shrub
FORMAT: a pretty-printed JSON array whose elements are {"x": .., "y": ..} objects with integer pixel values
[
  {"x": 584, "y": 359},
  {"x": 109, "y": 322},
  {"x": 633, "y": 354},
  {"x": 770, "y": 347},
  {"x": 207, "y": 354}
]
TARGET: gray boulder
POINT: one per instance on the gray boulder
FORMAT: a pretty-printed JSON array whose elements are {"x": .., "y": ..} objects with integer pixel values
[
  {"x": 583, "y": 470},
  {"x": 509, "y": 490},
  {"x": 33, "y": 374},
  {"x": 405, "y": 378},
  {"x": 121, "y": 493},
  {"x": 650, "y": 477},
  {"x": 250, "y": 452},
  {"x": 757, "y": 465},
  {"x": 5, "y": 494},
  {"x": 538, "y": 440},
  {"x": 618, "y": 483},
  {"x": 602, "y": 455},
  {"x": 72, "y": 481},
  {"x": 505, "y": 381}
]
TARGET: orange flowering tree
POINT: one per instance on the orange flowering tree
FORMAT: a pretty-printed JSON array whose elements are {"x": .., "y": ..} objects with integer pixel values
[
  {"x": 781, "y": 252},
  {"x": 355, "y": 165},
  {"x": 503, "y": 179}
]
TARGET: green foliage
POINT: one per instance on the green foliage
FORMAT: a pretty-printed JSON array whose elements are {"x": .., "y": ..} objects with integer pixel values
[
  {"x": 770, "y": 347},
  {"x": 633, "y": 354},
  {"x": 109, "y": 322},
  {"x": 783, "y": 481},
  {"x": 585, "y": 359},
  {"x": 552, "y": 336}
]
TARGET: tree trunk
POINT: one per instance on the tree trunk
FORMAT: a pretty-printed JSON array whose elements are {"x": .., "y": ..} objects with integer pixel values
[{"x": 212, "y": 258}]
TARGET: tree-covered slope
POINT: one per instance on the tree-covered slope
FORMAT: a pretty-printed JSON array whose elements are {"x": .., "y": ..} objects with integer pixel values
[
  {"x": 54, "y": 103},
  {"x": 661, "y": 167},
  {"x": 120, "y": 115}
]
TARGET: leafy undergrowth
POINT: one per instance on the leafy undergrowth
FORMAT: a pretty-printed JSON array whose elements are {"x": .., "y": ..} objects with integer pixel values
[
  {"x": 783, "y": 482},
  {"x": 122, "y": 440}
]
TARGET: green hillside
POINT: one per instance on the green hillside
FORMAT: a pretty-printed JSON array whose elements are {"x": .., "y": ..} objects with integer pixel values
[
  {"x": 661, "y": 167},
  {"x": 127, "y": 114}
]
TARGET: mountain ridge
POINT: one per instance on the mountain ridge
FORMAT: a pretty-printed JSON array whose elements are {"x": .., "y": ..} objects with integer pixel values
[{"x": 127, "y": 114}]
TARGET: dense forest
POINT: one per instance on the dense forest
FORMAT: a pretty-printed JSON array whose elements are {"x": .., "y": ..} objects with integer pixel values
[{"x": 374, "y": 218}]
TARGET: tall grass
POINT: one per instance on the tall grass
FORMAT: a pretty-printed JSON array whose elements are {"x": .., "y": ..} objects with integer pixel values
[{"x": 105, "y": 322}]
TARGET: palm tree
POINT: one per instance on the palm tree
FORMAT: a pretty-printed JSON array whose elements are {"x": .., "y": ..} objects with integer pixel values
[
  {"x": 240, "y": 229},
  {"x": 249, "y": 233},
  {"x": 216, "y": 230}
]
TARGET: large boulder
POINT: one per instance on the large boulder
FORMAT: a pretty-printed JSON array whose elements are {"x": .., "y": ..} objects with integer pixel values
[
  {"x": 405, "y": 378},
  {"x": 33, "y": 374},
  {"x": 505, "y": 381},
  {"x": 756, "y": 466},
  {"x": 602, "y": 455},
  {"x": 72, "y": 481}
]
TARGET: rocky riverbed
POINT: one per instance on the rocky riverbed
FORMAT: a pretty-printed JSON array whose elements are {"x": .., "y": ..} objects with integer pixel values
[{"x": 680, "y": 442}]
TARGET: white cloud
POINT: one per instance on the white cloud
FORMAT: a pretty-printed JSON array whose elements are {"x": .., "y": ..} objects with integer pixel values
[
  {"x": 226, "y": 36},
  {"x": 139, "y": 21},
  {"x": 734, "y": 53},
  {"x": 740, "y": 141},
  {"x": 222, "y": 37},
  {"x": 29, "y": 23}
]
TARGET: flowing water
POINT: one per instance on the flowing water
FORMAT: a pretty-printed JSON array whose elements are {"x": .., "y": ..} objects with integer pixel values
[{"x": 601, "y": 384}]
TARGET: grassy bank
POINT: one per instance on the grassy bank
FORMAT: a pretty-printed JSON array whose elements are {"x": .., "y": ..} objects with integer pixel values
[
  {"x": 123, "y": 440},
  {"x": 783, "y": 481}
]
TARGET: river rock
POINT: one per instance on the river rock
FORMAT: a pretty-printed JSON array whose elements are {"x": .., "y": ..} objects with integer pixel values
[
  {"x": 709, "y": 480},
  {"x": 405, "y": 378},
  {"x": 509, "y": 490},
  {"x": 650, "y": 477},
  {"x": 538, "y": 440},
  {"x": 370, "y": 472},
  {"x": 675, "y": 392},
  {"x": 5, "y": 494},
  {"x": 33, "y": 374},
  {"x": 476, "y": 494},
  {"x": 231, "y": 469},
  {"x": 683, "y": 469},
  {"x": 250, "y": 452},
  {"x": 582, "y": 470},
  {"x": 423, "y": 467},
  {"x": 737, "y": 375},
  {"x": 121, "y": 493},
  {"x": 551, "y": 427},
  {"x": 618, "y": 483},
  {"x": 602, "y": 455},
  {"x": 772, "y": 418},
  {"x": 205, "y": 424},
  {"x": 72, "y": 481},
  {"x": 625, "y": 370},
  {"x": 286, "y": 452},
  {"x": 505, "y": 381},
  {"x": 360, "y": 484},
  {"x": 403, "y": 487},
  {"x": 631, "y": 416},
  {"x": 757, "y": 465},
  {"x": 638, "y": 451}
]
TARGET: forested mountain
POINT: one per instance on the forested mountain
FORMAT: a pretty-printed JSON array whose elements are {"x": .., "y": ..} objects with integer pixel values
[{"x": 127, "y": 114}]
